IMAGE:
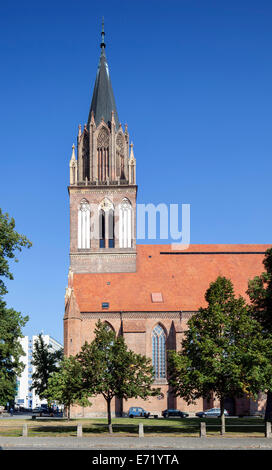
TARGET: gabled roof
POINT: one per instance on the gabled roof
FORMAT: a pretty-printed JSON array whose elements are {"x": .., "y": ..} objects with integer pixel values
[
  {"x": 181, "y": 278},
  {"x": 103, "y": 102}
]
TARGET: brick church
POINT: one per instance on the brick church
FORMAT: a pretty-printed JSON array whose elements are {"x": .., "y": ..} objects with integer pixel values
[{"x": 146, "y": 293}]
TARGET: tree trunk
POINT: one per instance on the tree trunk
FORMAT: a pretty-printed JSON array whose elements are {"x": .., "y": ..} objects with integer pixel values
[
  {"x": 268, "y": 409},
  {"x": 68, "y": 415},
  {"x": 222, "y": 415},
  {"x": 109, "y": 414}
]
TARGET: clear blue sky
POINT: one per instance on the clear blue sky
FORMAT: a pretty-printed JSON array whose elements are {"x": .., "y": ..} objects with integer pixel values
[{"x": 192, "y": 78}]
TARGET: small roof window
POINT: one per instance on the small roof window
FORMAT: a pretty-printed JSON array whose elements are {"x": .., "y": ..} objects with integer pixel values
[
  {"x": 105, "y": 305},
  {"x": 156, "y": 297}
]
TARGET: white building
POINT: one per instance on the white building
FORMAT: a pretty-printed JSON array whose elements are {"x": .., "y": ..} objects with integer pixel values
[{"x": 26, "y": 397}]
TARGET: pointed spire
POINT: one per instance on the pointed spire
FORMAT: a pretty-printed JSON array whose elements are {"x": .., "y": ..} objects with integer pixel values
[
  {"x": 131, "y": 156},
  {"x": 112, "y": 119},
  {"x": 103, "y": 45},
  {"x": 103, "y": 102},
  {"x": 73, "y": 167},
  {"x": 73, "y": 157},
  {"x": 132, "y": 166}
]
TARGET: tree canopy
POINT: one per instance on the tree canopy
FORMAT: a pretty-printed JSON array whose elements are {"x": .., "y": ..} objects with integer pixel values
[
  {"x": 46, "y": 362},
  {"x": 223, "y": 351},
  {"x": 260, "y": 294},
  {"x": 65, "y": 386},
  {"x": 109, "y": 368},
  {"x": 10, "y": 242},
  {"x": 11, "y": 322}
]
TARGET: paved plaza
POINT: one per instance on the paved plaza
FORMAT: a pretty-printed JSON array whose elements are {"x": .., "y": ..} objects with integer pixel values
[{"x": 130, "y": 443}]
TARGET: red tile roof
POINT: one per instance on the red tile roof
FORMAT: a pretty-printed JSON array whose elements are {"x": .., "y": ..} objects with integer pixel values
[{"x": 181, "y": 278}]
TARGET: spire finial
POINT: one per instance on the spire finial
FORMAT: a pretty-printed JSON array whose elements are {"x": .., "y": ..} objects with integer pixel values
[
  {"x": 73, "y": 157},
  {"x": 103, "y": 45},
  {"x": 131, "y": 151}
]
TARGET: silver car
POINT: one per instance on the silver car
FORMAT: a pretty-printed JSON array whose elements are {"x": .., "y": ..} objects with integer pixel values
[{"x": 211, "y": 412}]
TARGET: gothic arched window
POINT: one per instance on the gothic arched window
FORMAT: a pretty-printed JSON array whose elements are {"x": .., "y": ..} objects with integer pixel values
[
  {"x": 86, "y": 155},
  {"x": 125, "y": 224},
  {"x": 111, "y": 228},
  {"x": 106, "y": 224},
  {"x": 84, "y": 225},
  {"x": 103, "y": 155},
  {"x": 159, "y": 352},
  {"x": 120, "y": 156},
  {"x": 108, "y": 326},
  {"x": 102, "y": 229}
]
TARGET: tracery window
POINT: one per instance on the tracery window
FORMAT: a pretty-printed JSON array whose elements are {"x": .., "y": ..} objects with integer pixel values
[
  {"x": 108, "y": 326},
  {"x": 84, "y": 225},
  {"x": 103, "y": 155},
  {"x": 125, "y": 224},
  {"x": 120, "y": 155},
  {"x": 102, "y": 229},
  {"x": 159, "y": 352},
  {"x": 111, "y": 228},
  {"x": 106, "y": 224}
]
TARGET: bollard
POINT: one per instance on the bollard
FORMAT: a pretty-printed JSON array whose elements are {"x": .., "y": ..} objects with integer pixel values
[
  {"x": 141, "y": 430},
  {"x": 203, "y": 430},
  {"x": 79, "y": 430},
  {"x": 268, "y": 432},
  {"x": 223, "y": 429},
  {"x": 25, "y": 430}
]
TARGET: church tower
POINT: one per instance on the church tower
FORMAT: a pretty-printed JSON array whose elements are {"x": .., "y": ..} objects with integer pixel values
[{"x": 103, "y": 186}]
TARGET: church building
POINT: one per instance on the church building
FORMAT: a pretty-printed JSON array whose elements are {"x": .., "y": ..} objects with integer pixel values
[{"x": 146, "y": 293}]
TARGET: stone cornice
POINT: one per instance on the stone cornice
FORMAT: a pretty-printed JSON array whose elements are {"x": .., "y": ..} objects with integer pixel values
[
  {"x": 105, "y": 252},
  {"x": 101, "y": 189}
]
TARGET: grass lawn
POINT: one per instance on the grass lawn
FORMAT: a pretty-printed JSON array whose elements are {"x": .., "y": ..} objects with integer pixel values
[{"x": 239, "y": 427}]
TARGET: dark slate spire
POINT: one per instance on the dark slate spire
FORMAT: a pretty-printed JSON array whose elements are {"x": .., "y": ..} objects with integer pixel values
[{"x": 103, "y": 102}]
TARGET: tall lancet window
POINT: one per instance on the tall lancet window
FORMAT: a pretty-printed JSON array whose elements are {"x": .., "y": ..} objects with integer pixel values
[
  {"x": 106, "y": 224},
  {"x": 102, "y": 229},
  {"x": 120, "y": 156},
  {"x": 159, "y": 352},
  {"x": 103, "y": 169},
  {"x": 111, "y": 228},
  {"x": 84, "y": 225},
  {"x": 125, "y": 224}
]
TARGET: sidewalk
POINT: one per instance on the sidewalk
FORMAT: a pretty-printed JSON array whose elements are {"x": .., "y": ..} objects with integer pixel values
[{"x": 130, "y": 443}]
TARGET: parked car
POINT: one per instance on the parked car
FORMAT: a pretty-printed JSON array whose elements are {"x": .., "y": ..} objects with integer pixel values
[
  {"x": 137, "y": 411},
  {"x": 211, "y": 412},
  {"x": 42, "y": 411},
  {"x": 172, "y": 412}
]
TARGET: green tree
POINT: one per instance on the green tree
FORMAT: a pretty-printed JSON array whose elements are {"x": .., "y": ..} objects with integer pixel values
[
  {"x": 223, "y": 352},
  {"x": 260, "y": 294},
  {"x": 10, "y": 242},
  {"x": 110, "y": 369},
  {"x": 65, "y": 385},
  {"x": 46, "y": 362},
  {"x": 11, "y": 322}
]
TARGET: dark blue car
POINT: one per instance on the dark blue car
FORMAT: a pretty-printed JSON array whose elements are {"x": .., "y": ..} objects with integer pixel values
[
  {"x": 171, "y": 412},
  {"x": 137, "y": 411}
]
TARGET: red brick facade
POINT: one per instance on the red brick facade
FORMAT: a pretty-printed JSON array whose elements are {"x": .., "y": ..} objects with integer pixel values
[
  {"x": 133, "y": 288},
  {"x": 182, "y": 279}
]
